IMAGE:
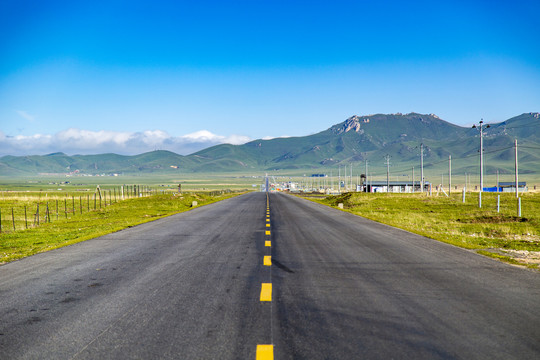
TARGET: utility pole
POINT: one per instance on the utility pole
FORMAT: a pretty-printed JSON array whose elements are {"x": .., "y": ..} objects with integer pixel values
[
  {"x": 413, "y": 179},
  {"x": 351, "y": 179},
  {"x": 387, "y": 157},
  {"x": 339, "y": 178},
  {"x": 481, "y": 152},
  {"x": 516, "y": 166},
  {"x": 449, "y": 174},
  {"x": 366, "y": 179},
  {"x": 421, "y": 167}
]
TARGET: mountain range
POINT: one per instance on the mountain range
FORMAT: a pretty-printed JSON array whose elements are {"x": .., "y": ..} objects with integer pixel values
[{"x": 354, "y": 141}]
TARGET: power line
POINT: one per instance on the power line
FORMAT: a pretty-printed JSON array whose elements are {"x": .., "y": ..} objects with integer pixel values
[
  {"x": 520, "y": 126},
  {"x": 529, "y": 147},
  {"x": 406, "y": 167}
]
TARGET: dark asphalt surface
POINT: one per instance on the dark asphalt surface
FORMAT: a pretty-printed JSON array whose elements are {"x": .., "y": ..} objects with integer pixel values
[{"x": 188, "y": 286}]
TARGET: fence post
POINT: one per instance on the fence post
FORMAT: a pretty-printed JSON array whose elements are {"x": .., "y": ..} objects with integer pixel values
[
  {"x": 47, "y": 214},
  {"x": 480, "y": 199},
  {"x": 13, "y": 218},
  {"x": 65, "y": 207},
  {"x": 37, "y": 214},
  {"x": 498, "y": 203},
  {"x": 519, "y": 206},
  {"x": 464, "y": 194},
  {"x": 25, "y": 218},
  {"x": 56, "y": 209}
]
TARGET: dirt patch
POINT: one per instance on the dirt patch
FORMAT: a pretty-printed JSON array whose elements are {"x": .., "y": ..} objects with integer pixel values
[{"x": 524, "y": 257}]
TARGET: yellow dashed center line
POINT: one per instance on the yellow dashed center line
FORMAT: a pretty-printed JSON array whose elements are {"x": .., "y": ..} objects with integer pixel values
[
  {"x": 265, "y": 352},
  {"x": 266, "y": 292}
]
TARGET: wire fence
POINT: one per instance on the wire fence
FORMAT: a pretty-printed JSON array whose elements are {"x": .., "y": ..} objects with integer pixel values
[{"x": 25, "y": 210}]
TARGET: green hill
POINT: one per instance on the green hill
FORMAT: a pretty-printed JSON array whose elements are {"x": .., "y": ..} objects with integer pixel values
[
  {"x": 398, "y": 135},
  {"x": 355, "y": 140},
  {"x": 155, "y": 161}
]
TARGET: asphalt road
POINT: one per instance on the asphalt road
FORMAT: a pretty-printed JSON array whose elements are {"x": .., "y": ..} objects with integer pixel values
[{"x": 188, "y": 287}]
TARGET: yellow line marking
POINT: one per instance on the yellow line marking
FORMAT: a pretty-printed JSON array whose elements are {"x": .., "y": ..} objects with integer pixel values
[
  {"x": 268, "y": 243},
  {"x": 267, "y": 261},
  {"x": 267, "y": 232},
  {"x": 265, "y": 352},
  {"x": 267, "y": 220},
  {"x": 267, "y": 225},
  {"x": 266, "y": 292}
]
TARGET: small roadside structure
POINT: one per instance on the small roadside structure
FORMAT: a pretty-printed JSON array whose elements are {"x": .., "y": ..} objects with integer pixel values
[
  {"x": 395, "y": 186},
  {"x": 508, "y": 187}
]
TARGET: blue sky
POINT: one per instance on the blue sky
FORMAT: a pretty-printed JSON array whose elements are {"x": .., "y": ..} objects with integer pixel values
[{"x": 128, "y": 76}]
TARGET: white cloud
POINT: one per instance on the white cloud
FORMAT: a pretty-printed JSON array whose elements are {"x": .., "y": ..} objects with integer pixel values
[
  {"x": 275, "y": 137},
  {"x": 207, "y": 136},
  {"x": 25, "y": 115},
  {"x": 78, "y": 141},
  {"x": 236, "y": 139}
]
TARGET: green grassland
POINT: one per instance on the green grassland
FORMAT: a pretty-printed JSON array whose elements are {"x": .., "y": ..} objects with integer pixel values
[
  {"x": 158, "y": 182},
  {"x": 78, "y": 221},
  {"x": 502, "y": 235}
]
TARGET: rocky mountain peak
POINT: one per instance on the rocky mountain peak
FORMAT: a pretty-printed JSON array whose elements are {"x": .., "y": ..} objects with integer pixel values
[{"x": 353, "y": 123}]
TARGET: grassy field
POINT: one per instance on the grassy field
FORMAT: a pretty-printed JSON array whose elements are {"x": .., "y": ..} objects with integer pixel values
[
  {"x": 189, "y": 182},
  {"x": 69, "y": 227},
  {"x": 502, "y": 234}
]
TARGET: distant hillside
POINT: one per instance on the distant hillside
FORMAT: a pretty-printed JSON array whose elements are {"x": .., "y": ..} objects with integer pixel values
[
  {"x": 155, "y": 161},
  {"x": 372, "y": 137},
  {"x": 354, "y": 140}
]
